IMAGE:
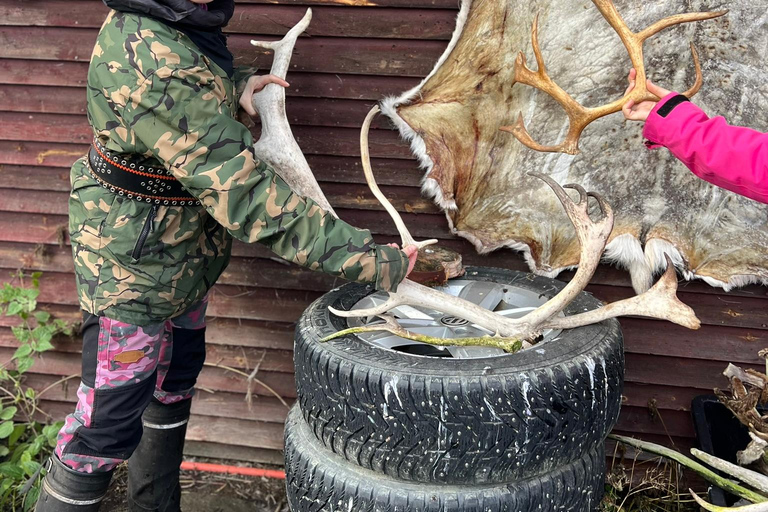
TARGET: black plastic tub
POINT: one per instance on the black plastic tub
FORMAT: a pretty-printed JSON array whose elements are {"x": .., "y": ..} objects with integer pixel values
[{"x": 720, "y": 434}]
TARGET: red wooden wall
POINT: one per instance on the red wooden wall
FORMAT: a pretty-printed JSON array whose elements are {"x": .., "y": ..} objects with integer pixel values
[{"x": 356, "y": 52}]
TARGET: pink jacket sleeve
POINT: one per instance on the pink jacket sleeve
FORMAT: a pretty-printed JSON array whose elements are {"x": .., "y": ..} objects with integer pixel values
[{"x": 730, "y": 157}]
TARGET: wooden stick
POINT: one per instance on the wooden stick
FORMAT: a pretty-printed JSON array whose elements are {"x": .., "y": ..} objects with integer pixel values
[
  {"x": 691, "y": 464},
  {"x": 749, "y": 477}
]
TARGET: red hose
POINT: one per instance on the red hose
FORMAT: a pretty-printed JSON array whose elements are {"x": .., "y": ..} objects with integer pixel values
[{"x": 232, "y": 470}]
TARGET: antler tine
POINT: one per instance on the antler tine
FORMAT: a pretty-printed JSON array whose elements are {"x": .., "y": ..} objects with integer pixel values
[
  {"x": 659, "y": 302},
  {"x": 365, "y": 156},
  {"x": 541, "y": 80},
  {"x": 580, "y": 117},
  {"x": 578, "y": 188},
  {"x": 677, "y": 19},
  {"x": 592, "y": 235},
  {"x": 605, "y": 207},
  {"x": 537, "y": 49},
  {"x": 392, "y": 302},
  {"x": 699, "y": 77}
]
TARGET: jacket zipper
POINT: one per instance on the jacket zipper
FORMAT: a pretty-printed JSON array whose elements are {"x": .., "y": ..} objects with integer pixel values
[{"x": 149, "y": 226}]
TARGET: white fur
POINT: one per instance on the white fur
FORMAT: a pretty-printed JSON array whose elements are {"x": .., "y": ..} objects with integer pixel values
[
  {"x": 430, "y": 188},
  {"x": 389, "y": 108},
  {"x": 626, "y": 251}
]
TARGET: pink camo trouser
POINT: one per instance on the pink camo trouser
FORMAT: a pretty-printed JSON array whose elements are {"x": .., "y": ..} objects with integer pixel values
[{"x": 125, "y": 367}]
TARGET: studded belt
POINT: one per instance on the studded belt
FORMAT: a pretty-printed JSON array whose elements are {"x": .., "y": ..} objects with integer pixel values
[{"x": 125, "y": 176}]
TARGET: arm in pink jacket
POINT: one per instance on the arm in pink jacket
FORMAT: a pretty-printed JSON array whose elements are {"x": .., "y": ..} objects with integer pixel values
[{"x": 730, "y": 157}]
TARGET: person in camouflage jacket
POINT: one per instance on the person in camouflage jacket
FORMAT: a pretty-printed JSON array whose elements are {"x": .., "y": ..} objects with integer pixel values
[{"x": 165, "y": 92}]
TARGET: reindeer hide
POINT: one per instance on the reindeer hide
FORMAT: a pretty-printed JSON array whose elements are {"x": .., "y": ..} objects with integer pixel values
[{"x": 478, "y": 174}]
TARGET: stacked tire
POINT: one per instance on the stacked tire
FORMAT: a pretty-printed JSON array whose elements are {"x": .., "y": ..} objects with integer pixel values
[{"x": 380, "y": 430}]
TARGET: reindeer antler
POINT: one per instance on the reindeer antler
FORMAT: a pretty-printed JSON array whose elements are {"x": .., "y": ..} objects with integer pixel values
[
  {"x": 405, "y": 235},
  {"x": 659, "y": 302},
  {"x": 580, "y": 116},
  {"x": 277, "y": 146}
]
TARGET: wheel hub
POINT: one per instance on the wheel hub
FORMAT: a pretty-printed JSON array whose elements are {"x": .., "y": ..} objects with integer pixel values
[{"x": 453, "y": 321}]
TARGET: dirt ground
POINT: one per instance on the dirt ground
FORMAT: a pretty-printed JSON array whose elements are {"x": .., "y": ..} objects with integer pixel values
[{"x": 207, "y": 492}]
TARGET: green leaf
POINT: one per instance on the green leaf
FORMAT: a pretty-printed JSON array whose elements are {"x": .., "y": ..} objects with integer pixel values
[
  {"x": 6, "y": 429},
  {"x": 18, "y": 452},
  {"x": 30, "y": 467},
  {"x": 30, "y": 393},
  {"x": 21, "y": 333},
  {"x": 31, "y": 498},
  {"x": 14, "y": 308},
  {"x": 5, "y": 484},
  {"x": 42, "y": 316},
  {"x": 37, "y": 445},
  {"x": 50, "y": 431},
  {"x": 22, "y": 351},
  {"x": 42, "y": 333},
  {"x": 11, "y": 470},
  {"x": 18, "y": 431},
  {"x": 3, "y": 452},
  {"x": 8, "y": 413},
  {"x": 44, "y": 346},
  {"x": 23, "y": 364}
]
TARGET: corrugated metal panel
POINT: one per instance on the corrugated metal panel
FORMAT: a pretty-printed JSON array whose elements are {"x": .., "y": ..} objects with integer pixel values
[{"x": 357, "y": 52}]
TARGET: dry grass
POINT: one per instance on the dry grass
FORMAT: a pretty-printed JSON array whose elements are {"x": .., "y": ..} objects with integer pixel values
[{"x": 645, "y": 485}]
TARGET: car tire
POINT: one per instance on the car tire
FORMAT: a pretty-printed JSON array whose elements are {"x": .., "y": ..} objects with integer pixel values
[
  {"x": 459, "y": 421},
  {"x": 320, "y": 481}
]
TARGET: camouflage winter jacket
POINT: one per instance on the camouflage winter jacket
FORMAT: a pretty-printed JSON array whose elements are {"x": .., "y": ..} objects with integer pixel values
[{"x": 152, "y": 92}]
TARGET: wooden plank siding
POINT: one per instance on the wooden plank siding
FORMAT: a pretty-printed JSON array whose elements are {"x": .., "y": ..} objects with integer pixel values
[{"x": 355, "y": 52}]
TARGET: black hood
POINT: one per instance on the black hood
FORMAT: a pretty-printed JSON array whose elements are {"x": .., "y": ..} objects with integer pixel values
[{"x": 200, "y": 22}]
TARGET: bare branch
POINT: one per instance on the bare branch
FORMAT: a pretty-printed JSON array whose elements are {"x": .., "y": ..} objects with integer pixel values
[{"x": 390, "y": 325}]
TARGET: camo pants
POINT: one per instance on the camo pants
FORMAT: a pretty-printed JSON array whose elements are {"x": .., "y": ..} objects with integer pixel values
[{"x": 124, "y": 368}]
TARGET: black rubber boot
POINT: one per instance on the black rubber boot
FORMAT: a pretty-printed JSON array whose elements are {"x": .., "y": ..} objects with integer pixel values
[
  {"x": 153, "y": 469},
  {"x": 66, "y": 490}
]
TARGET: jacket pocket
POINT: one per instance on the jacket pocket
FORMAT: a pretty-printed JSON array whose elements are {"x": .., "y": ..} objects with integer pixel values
[{"x": 149, "y": 226}]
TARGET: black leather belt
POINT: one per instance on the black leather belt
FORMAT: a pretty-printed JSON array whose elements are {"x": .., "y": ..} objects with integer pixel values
[{"x": 124, "y": 176}]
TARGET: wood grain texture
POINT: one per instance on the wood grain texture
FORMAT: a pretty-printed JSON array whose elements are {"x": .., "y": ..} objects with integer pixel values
[{"x": 333, "y": 21}]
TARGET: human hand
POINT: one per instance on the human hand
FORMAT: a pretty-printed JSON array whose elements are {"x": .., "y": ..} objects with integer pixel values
[
  {"x": 254, "y": 85},
  {"x": 640, "y": 111},
  {"x": 412, "y": 253}
]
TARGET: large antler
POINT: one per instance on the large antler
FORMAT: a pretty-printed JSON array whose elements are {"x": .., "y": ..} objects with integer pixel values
[
  {"x": 580, "y": 116},
  {"x": 277, "y": 146},
  {"x": 659, "y": 302}
]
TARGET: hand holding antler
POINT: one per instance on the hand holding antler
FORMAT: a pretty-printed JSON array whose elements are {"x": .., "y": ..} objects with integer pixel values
[
  {"x": 580, "y": 116},
  {"x": 635, "y": 111}
]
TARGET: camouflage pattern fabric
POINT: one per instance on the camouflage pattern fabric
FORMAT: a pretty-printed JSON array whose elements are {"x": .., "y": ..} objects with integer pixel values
[
  {"x": 130, "y": 366},
  {"x": 152, "y": 93}
]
